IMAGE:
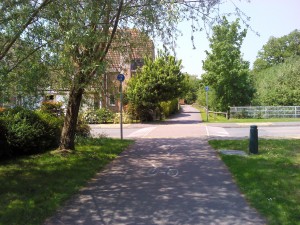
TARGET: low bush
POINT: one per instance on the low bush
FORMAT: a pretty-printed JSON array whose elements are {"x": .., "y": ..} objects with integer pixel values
[
  {"x": 168, "y": 108},
  {"x": 54, "y": 108},
  {"x": 54, "y": 127},
  {"x": 102, "y": 115},
  {"x": 82, "y": 128},
  {"x": 127, "y": 118},
  {"x": 27, "y": 132}
]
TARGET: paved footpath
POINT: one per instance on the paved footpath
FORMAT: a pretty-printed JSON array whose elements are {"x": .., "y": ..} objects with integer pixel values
[{"x": 170, "y": 176}]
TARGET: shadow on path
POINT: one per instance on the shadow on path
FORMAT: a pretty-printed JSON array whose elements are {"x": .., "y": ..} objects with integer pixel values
[{"x": 161, "y": 181}]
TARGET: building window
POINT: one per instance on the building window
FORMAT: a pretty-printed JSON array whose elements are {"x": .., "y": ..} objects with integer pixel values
[
  {"x": 112, "y": 100},
  {"x": 136, "y": 63}
]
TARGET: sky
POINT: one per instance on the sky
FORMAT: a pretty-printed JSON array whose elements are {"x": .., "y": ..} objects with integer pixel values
[{"x": 268, "y": 17}]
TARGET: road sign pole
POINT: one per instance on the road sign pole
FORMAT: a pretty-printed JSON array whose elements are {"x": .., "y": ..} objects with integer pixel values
[
  {"x": 206, "y": 92},
  {"x": 207, "y": 106},
  {"x": 121, "y": 111},
  {"x": 121, "y": 78}
]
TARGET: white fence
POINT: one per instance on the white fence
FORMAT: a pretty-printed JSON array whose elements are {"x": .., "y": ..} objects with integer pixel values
[{"x": 265, "y": 112}]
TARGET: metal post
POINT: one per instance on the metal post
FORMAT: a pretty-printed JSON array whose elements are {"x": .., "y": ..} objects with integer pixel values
[
  {"x": 253, "y": 142},
  {"x": 121, "y": 111},
  {"x": 121, "y": 78},
  {"x": 206, "y": 106}
]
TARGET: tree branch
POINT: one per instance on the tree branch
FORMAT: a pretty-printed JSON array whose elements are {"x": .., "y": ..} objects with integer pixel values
[
  {"x": 18, "y": 34},
  {"x": 113, "y": 31}
]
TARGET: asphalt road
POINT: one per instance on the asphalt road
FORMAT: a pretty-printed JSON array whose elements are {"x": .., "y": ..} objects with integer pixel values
[
  {"x": 211, "y": 130},
  {"x": 170, "y": 176}
]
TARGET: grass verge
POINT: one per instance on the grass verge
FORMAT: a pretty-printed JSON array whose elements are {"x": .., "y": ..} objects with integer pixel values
[
  {"x": 33, "y": 187},
  {"x": 270, "y": 180}
]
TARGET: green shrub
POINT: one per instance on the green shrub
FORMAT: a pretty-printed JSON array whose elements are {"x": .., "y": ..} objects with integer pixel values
[
  {"x": 105, "y": 115},
  {"x": 127, "y": 118},
  {"x": 145, "y": 113},
  {"x": 54, "y": 128},
  {"x": 90, "y": 116},
  {"x": 82, "y": 128},
  {"x": 102, "y": 115},
  {"x": 54, "y": 108},
  {"x": 168, "y": 108},
  {"x": 29, "y": 131}
]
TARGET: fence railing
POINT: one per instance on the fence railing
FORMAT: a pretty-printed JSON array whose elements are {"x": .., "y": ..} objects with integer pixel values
[
  {"x": 225, "y": 114},
  {"x": 265, "y": 112}
]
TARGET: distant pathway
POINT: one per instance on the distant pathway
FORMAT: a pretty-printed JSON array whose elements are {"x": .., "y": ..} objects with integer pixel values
[{"x": 169, "y": 176}]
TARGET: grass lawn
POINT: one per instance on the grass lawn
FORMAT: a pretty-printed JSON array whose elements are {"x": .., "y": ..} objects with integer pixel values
[
  {"x": 270, "y": 180},
  {"x": 33, "y": 187}
]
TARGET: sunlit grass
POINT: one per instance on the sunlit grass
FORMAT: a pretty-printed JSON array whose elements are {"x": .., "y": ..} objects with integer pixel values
[
  {"x": 33, "y": 187},
  {"x": 271, "y": 179}
]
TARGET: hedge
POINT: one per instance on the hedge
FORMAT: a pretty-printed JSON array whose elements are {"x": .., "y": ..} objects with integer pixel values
[{"x": 26, "y": 132}]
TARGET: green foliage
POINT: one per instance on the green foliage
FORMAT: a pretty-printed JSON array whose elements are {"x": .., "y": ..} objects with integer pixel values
[
  {"x": 192, "y": 84},
  {"x": 157, "y": 81},
  {"x": 212, "y": 99},
  {"x": 54, "y": 108},
  {"x": 169, "y": 107},
  {"x": 279, "y": 85},
  {"x": 23, "y": 78},
  {"x": 63, "y": 36},
  {"x": 278, "y": 50},
  {"x": 53, "y": 128},
  {"x": 226, "y": 72},
  {"x": 102, "y": 115},
  {"x": 82, "y": 128},
  {"x": 29, "y": 132},
  {"x": 127, "y": 118}
]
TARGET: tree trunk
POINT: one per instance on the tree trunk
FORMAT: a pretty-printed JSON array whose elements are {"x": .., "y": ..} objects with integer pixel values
[{"x": 68, "y": 133}]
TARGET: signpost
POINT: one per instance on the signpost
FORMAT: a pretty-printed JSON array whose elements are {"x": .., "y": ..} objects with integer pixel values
[
  {"x": 121, "y": 78},
  {"x": 206, "y": 92}
]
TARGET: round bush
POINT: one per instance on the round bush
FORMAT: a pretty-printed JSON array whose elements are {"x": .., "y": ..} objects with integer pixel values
[
  {"x": 54, "y": 126},
  {"x": 102, "y": 115},
  {"x": 30, "y": 132}
]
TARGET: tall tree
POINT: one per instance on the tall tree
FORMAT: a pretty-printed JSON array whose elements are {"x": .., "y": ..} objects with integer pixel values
[
  {"x": 278, "y": 50},
  {"x": 78, "y": 34},
  {"x": 225, "y": 70}
]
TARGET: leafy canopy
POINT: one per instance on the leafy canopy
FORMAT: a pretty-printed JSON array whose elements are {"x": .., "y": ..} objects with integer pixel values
[
  {"x": 226, "y": 72},
  {"x": 75, "y": 36},
  {"x": 279, "y": 84},
  {"x": 192, "y": 84},
  {"x": 158, "y": 80},
  {"x": 278, "y": 50}
]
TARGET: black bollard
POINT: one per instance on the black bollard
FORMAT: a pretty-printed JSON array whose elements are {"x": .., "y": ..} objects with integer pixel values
[{"x": 253, "y": 142}]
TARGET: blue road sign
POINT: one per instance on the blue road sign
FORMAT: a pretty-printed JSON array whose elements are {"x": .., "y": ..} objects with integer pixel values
[
  {"x": 121, "y": 77},
  {"x": 206, "y": 88}
]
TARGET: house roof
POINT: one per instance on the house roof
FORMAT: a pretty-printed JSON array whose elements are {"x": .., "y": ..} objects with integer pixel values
[{"x": 128, "y": 45}]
